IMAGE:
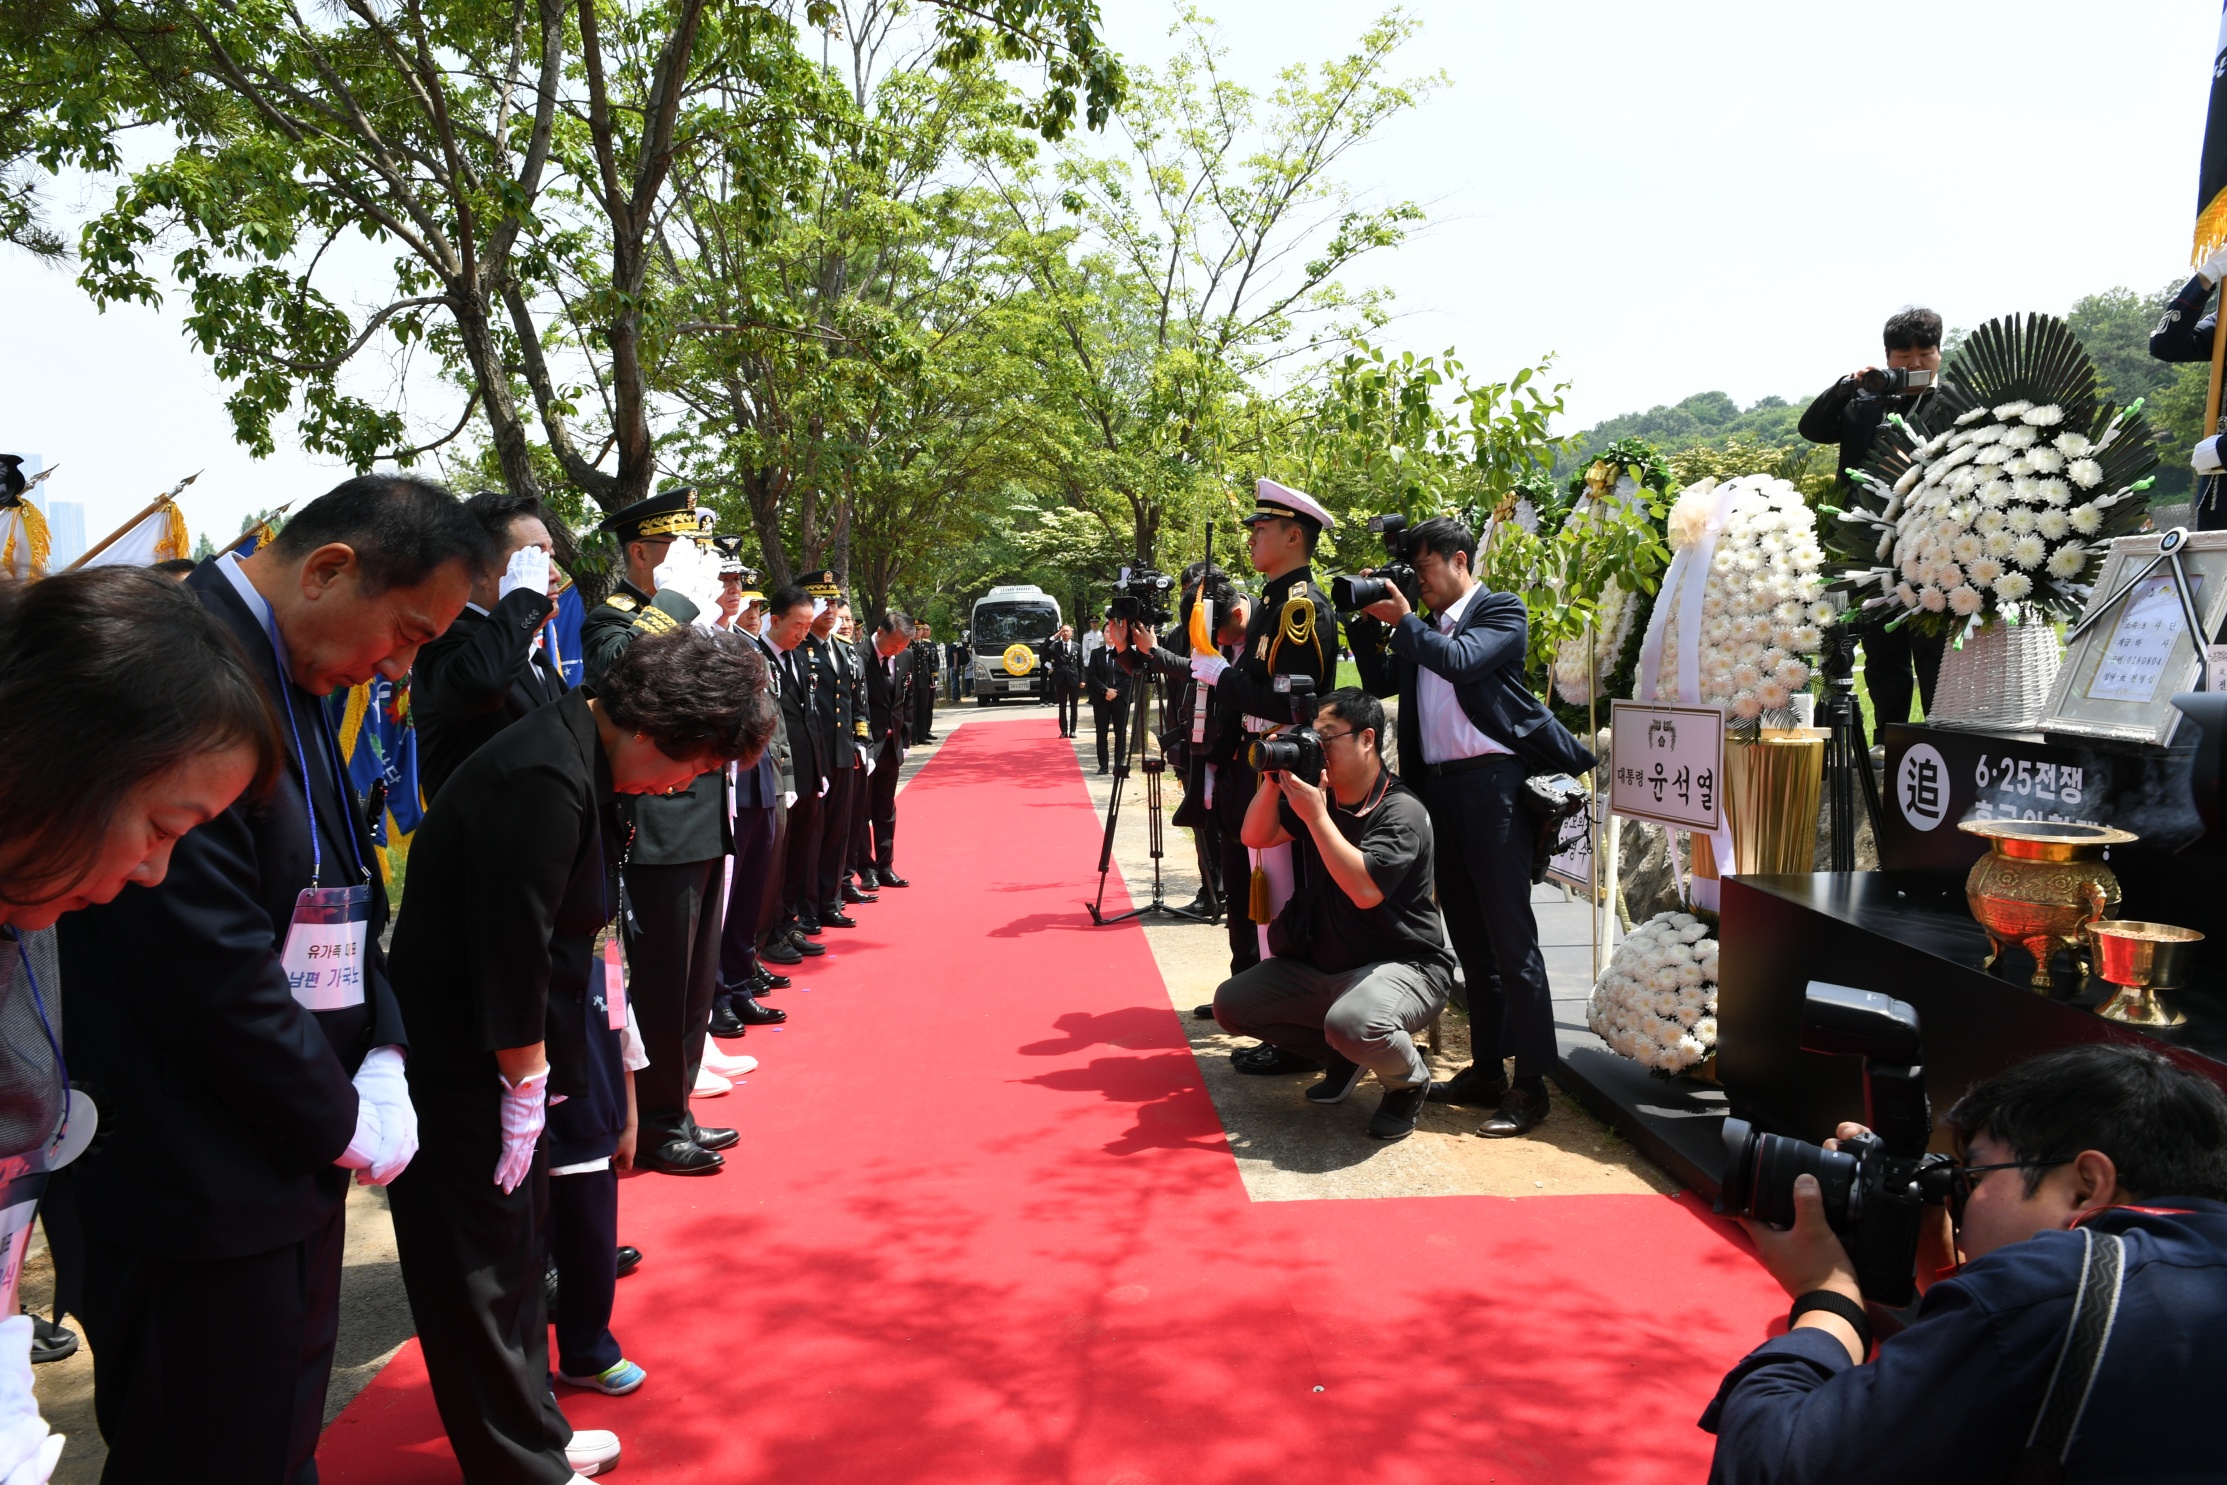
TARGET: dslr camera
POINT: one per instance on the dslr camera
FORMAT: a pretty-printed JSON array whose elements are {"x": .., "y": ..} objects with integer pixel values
[
  {"x": 1141, "y": 597},
  {"x": 1352, "y": 594},
  {"x": 1876, "y": 1187},
  {"x": 1298, "y": 748},
  {"x": 1895, "y": 381}
]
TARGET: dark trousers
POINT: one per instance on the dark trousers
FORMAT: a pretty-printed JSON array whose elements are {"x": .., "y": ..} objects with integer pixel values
[
  {"x": 746, "y": 895},
  {"x": 1206, "y": 843},
  {"x": 1067, "y": 701},
  {"x": 1483, "y": 861},
  {"x": 835, "y": 838},
  {"x": 1114, "y": 714},
  {"x": 881, "y": 805},
  {"x": 472, "y": 1261},
  {"x": 924, "y": 710},
  {"x": 674, "y": 956},
  {"x": 776, "y": 884},
  {"x": 584, "y": 1245},
  {"x": 860, "y": 857},
  {"x": 1234, "y": 786},
  {"x": 1890, "y": 659},
  {"x": 213, "y": 1373},
  {"x": 801, "y": 860}
]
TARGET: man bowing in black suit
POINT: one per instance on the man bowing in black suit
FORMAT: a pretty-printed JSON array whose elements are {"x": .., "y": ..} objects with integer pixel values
[
  {"x": 886, "y": 656},
  {"x": 238, "y": 1023},
  {"x": 490, "y": 668}
]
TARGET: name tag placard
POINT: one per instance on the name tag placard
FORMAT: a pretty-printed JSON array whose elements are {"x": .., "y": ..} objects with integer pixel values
[{"x": 324, "y": 956}]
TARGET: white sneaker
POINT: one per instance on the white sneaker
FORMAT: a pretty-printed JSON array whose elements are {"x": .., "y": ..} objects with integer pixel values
[
  {"x": 709, "y": 1084},
  {"x": 729, "y": 1067},
  {"x": 592, "y": 1451}
]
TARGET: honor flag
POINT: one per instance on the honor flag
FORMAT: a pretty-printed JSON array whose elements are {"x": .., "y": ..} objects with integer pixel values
[
  {"x": 156, "y": 534},
  {"x": 379, "y": 740},
  {"x": 2211, "y": 177}
]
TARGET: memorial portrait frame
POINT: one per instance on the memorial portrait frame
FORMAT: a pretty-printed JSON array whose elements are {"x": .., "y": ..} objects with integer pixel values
[{"x": 2071, "y": 711}]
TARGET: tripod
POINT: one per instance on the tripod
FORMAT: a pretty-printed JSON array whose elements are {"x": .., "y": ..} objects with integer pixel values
[
  {"x": 1154, "y": 766},
  {"x": 1847, "y": 759}
]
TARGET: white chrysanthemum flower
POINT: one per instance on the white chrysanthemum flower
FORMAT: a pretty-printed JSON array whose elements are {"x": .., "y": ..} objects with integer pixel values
[
  {"x": 1744, "y": 675},
  {"x": 2020, "y": 437},
  {"x": 1906, "y": 595},
  {"x": 1966, "y": 547},
  {"x": 2021, "y": 519},
  {"x": 1909, "y": 480},
  {"x": 1989, "y": 522},
  {"x": 1994, "y": 453},
  {"x": 1808, "y": 639},
  {"x": 1948, "y": 574},
  {"x": 2048, "y": 415},
  {"x": 2028, "y": 552},
  {"x": 2086, "y": 473},
  {"x": 1746, "y": 706},
  {"x": 2053, "y": 492},
  {"x": 2068, "y": 560},
  {"x": 2087, "y": 520},
  {"x": 2013, "y": 586},
  {"x": 1705, "y": 1030},
  {"x": 1692, "y": 931},
  {"x": 1967, "y": 419},
  {"x": 2053, "y": 524},
  {"x": 1997, "y": 543},
  {"x": 2018, "y": 464},
  {"x": 1964, "y": 602},
  {"x": 1790, "y": 673},
  {"x": 2012, "y": 409},
  {"x": 1931, "y": 599},
  {"x": 2045, "y": 461},
  {"x": 1984, "y": 572},
  {"x": 1990, "y": 434},
  {"x": 2072, "y": 445},
  {"x": 1821, "y": 614},
  {"x": 1962, "y": 482},
  {"x": 1772, "y": 695},
  {"x": 1995, "y": 494}
]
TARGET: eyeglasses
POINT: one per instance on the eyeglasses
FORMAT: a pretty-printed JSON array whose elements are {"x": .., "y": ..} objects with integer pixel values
[
  {"x": 1961, "y": 1179},
  {"x": 1333, "y": 736}
]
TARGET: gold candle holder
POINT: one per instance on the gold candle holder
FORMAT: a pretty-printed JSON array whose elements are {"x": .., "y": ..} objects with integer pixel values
[
  {"x": 1772, "y": 789},
  {"x": 2141, "y": 959}
]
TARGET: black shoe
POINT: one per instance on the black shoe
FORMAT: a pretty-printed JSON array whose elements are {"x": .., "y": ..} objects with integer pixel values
[
  {"x": 51, "y": 1342},
  {"x": 867, "y": 880},
  {"x": 548, "y": 1299},
  {"x": 747, "y": 1012},
  {"x": 808, "y": 930},
  {"x": 724, "y": 1022},
  {"x": 716, "y": 1139},
  {"x": 1339, "y": 1077},
  {"x": 781, "y": 951},
  {"x": 1265, "y": 1061},
  {"x": 853, "y": 894},
  {"x": 1520, "y": 1111},
  {"x": 765, "y": 980},
  {"x": 1472, "y": 1086},
  {"x": 1395, "y": 1117},
  {"x": 835, "y": 917},
  {"x": 1203, "y": 1012},
  {"x": 1101, "y": 770},
  {"x": 1204, "y": 907},
  {"x": 804, "y": 945},
  {"x": 630, "y": 1259},
  {"x": 891, "y": 879},
  {"x": 679, "y": 1157}
]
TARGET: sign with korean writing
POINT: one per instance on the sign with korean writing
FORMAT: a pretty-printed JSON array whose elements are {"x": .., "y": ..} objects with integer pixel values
[
  {"x": 1937, "y": 777},
  {"x": 2150, "y": 624},
  {"x": 1668, "y": 764},
  {"x": 1571, "y": 865}
]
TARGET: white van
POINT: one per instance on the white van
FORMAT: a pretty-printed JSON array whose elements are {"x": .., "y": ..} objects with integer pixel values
[{"x": 1012, "y": 625}]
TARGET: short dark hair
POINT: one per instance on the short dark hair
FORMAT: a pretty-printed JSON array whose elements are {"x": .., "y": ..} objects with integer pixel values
[
  {"x": 1913, "y": 328},
  {"x": 495, "y": 511},
  {"x": 403, "y": 530},
  {"x": 897, "y": 621},
  {"x": 1311, "y": 530},
  {"x": 1445, "y": 535},
  {"x": 174, "y": 566},
  {"x": 700, "y": 695},
  {"x": 114, "y": 676},
  {"x": 1358, "y": 707},
  {"x": 2164, "y": 1127},
  {"x": 786, "y": 597}
]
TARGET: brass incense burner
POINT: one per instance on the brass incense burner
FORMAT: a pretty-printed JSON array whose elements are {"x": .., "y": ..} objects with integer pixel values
[
  {"x": 2040, "y": 885},
  {"x": 2141, "y": 959}
]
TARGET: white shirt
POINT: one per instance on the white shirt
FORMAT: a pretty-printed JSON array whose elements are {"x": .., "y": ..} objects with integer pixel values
[{"x": 1448, "y": 734}]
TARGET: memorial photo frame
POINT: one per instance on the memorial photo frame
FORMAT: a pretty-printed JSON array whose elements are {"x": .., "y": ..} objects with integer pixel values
[{"x": 2119, "y": 677}]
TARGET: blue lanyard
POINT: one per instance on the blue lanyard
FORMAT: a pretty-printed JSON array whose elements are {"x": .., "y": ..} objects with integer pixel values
[{"x": 23, "y": 956}]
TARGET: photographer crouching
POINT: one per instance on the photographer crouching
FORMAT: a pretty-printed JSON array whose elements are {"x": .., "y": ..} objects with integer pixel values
[
  {"x": 1358, "y": 963},
  {"x": 2082, "y": 1335}
]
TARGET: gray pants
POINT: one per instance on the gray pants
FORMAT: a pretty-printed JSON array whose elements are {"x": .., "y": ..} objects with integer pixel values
[{"x": 1368, "y": 1015}]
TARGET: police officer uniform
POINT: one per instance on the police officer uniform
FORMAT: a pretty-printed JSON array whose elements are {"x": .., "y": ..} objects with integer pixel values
[
  {"x": 757, "y": 832},
  {"x": 841, "y": 708},
  {"x": 674, "y": 875},
  {"x": 1063, "y": 682}
]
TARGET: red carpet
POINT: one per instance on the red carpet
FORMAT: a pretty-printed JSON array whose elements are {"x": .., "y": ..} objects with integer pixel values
[{"x": 984, "y": 1226}]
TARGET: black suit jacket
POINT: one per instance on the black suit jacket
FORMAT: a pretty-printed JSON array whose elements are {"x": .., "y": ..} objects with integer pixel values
[
  {"x": 480, "y": 676},
  {"x": 511, "y": 876},
  {"x": 888, "y": 692},
  {"x": 1484, "y": 659},
  {"x": 761, "y": 786},
  {"x": 808, "y": 748},
  {"x": 227, "y": 1101},
  {"x": 1105, "y": 673}
]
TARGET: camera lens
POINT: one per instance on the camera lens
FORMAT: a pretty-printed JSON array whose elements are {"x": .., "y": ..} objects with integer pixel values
[
  {"x": 1351, "y": 594},
  {"x": 1759, "y": 1176}
]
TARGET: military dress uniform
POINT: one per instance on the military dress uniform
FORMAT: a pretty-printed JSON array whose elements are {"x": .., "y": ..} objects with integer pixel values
[
  {"x": 675, "y": 867},
  {"x": 1293, "y": 632},
  {"x": 924, "y": 667}
]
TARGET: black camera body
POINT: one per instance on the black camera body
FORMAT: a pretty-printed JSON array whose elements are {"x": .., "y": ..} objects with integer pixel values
[
  {"x": 1895, "y": 381},
  {"x": 1352, "y": 594},
  {"x": 1298, "y": 748},
  {"x": 1876, "y": 1188},
  {"x": 1141, "y": 597}
]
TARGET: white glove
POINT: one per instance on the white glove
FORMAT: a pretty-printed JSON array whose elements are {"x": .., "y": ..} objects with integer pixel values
[
  {"x": 825, "y": 785},
  {"x": 525, "y": 1110},
  {"x": 1207, "y": 669},
  {"x": 27, "y": 1450},
  {"x": 2215, "y": 265},
  {"x": 529, "y": 569},
  {"x": 788, "y": 800},
  {"x": 2206, "y": 458},
  {"x": 381, "y": 1083}
]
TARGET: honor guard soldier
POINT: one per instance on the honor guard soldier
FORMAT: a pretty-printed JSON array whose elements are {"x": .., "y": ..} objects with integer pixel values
[
  {"x": 1293, "y": 632},
  {"x": 839, "y": 718},
  {"x": 675, "y": 864}
]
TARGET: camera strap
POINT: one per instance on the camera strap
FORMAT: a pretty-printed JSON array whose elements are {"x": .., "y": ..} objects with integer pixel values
[{"x": 2095, "y": 1307}]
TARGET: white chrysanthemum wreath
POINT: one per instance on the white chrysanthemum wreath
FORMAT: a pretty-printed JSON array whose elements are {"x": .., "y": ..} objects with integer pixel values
[
  {"x": 1762, "y": 612},
  {"x": 1657, "y": 1003}
]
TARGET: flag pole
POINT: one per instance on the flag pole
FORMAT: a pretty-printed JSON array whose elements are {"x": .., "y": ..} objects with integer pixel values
[
  {"x": 234, "y": 543},
  {"x": 152, "y": 506},
  {"x": 2219, "y": 359}
]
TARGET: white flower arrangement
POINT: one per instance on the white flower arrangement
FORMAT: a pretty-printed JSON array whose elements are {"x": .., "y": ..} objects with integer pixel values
[
  {"x": 1657, "y": 1003},
  {"x": 1615, "y": 614},
  {"x": 1762, "y": 612}
]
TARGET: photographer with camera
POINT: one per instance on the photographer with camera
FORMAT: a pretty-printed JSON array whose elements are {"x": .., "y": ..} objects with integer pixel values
[
  {"x": 2078, "y": 1326},
  {"x": 1471, "y": 732},
  {"x": 1848, "y": 413},
  {"x": 1359, "y": 963}
]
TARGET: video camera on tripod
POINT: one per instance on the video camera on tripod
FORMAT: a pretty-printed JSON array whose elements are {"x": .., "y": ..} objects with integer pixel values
[
  {"x": 1352, "y": 594},
  {"x": 1141, "y": 597}
]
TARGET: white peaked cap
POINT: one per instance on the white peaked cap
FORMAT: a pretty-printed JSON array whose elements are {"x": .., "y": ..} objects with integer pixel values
[{"x": 1274, "y": 501}]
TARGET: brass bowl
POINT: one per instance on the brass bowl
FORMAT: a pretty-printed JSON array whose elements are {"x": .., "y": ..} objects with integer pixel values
[
  {"x": 2141, "y": 959},
  {"x": 2041, "y": 883}
]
